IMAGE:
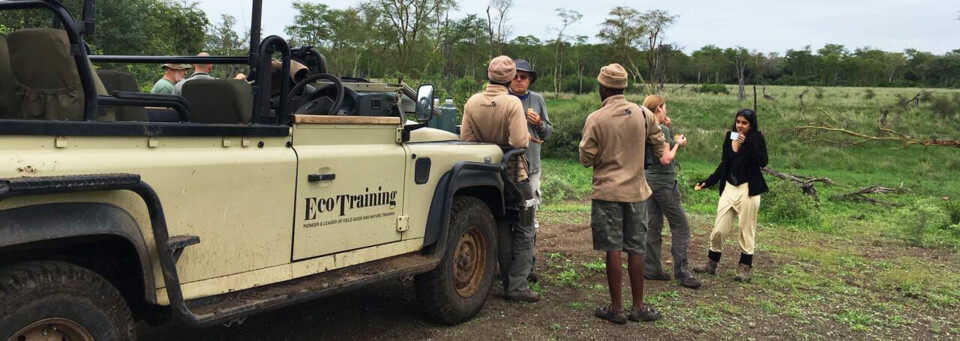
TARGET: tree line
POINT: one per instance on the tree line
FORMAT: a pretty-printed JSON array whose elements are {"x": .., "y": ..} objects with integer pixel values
[{"x": 419, "y": 39}]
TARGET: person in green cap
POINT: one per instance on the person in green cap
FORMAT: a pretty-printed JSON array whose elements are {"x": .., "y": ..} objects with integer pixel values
[{"x": 172, "y": 73}]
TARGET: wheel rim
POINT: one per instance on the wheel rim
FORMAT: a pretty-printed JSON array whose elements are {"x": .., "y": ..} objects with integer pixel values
[
  {"x": 52, "y": 329},
  {"x": 470, "y": 259}
]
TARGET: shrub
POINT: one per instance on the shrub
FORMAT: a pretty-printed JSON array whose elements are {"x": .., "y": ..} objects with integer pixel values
[
  {"x": 462, "y": 89},
  {"x": 869, "y": 94},
  {"x": 568, "y": 118},
  {"x": 919, "y": 218},
  {"x": 786, "y": 204},
  {"x": 945, "y": 107},
  {"x": 554, "y": 189},
  {"x": 713, "y": 88}
]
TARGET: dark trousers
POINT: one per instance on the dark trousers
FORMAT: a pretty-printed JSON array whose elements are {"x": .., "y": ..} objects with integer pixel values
[
  {"x": 515, "y": 247},
  {"x": 665, "y": 201}
]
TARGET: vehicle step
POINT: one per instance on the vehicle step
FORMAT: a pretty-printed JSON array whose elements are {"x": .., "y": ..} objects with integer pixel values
[
  {"x": 226, "y": 307},
  {"x": 179, "y": 242}
]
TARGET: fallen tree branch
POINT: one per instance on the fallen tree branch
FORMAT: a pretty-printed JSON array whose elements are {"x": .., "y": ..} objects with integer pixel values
[
  {"x": 796, "y": 178},
  {"x": 805, "y": 182},
  {"x": 876, "y": 189},
  {"x": 900, "y": 137},
  {"x": 860, "y": 194}
]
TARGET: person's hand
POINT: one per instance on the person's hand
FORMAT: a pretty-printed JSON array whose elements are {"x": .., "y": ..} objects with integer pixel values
[
  {"x": 534, "y": 139},
  {"x": 667, "y": 121},
  {"x": 741, "y": 137},
  {"x": 699, "y": 186},
  {"x": 534, "y": 118},
  {"x": 240, "y": 76},
  {"x": 682, "y": 141}
]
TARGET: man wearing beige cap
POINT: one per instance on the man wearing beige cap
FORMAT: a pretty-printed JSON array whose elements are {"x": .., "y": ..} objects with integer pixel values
[
  {"x": 613, "y": 142},
  {"x": 172, "y": 73},
  {"x": 495, "y": 116}
]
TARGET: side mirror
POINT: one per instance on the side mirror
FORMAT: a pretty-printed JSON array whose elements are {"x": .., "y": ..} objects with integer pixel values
[{"x": 425, "y": 102}]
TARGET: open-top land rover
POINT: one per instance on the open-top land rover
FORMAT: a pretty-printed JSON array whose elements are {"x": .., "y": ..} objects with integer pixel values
[{"x": 235, "y": 198}]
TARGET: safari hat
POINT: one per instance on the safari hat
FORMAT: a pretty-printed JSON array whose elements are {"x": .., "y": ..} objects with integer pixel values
[
  {"x": 177, "y": 66},
  {"x": 523, "y": 65}
]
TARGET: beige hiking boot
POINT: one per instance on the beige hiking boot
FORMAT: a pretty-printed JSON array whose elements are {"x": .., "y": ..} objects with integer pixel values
[
  {"x": 743, "y": 273},
  {"x": 710, "y": 268}
]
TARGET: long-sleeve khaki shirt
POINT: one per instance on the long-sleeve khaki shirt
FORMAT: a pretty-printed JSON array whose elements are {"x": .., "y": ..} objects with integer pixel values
[
  {"x": 495, "y": 116},
  {"x": 613, "y": 144}
]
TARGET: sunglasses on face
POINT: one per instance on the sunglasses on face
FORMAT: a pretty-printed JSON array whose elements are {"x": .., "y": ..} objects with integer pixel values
[{"x": 522, "y": 77}]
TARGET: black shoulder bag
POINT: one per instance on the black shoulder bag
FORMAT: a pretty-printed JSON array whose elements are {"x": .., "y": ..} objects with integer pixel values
[{"x": 648, "y": 159}]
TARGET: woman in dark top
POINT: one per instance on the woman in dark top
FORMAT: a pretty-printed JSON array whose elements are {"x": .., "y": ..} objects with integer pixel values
[{"x": 741, "y": 183}]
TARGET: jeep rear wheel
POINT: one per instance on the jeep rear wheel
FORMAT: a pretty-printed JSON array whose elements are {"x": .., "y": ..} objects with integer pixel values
[
  {"x": 59, "y": 301},
  {"x": 456, "y": 290}
]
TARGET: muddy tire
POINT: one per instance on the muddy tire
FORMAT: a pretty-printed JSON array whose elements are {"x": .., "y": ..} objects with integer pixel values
[
  {"x": 456, "y": 290},
  {"x": 56, "y": 300}
]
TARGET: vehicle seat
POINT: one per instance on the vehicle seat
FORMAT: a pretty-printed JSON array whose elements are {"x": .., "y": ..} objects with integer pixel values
[
  {"x": 45, "y": 75},
  {"x": 9, "y": 102},
  {"x": 114, "y": 80},
  {"x": 227, "y": 101}
]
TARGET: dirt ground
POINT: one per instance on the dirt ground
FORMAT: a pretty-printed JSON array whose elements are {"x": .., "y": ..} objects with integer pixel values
[{"x": 572, "y": 286}]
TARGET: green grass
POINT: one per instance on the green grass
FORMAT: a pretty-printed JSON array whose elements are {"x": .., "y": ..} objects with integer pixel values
[
  {"x": 928, "y": 174},
  {"x": 877, "y": 270}
]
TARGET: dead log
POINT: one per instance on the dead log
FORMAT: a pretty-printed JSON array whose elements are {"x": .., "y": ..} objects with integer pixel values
[
  {"x": 805, "y": 182},
  {"x": 900, "y": 137},
  {"x": 860, "y": 195},
  {"x": 768, "y": 97},
  {"x": 915, "y": 100},
  {"x": 804, "y": 92}
]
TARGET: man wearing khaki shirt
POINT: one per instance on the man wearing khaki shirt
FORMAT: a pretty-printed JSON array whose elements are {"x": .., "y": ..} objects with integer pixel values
[
  {"x": 613, "y": 144},
  {"x": 495, "y": 116}
]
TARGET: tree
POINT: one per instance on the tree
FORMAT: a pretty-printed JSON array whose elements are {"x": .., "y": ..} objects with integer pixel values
[
  {"x": 740, "y": 57},
  {"x": 580, "y": 64},
  {"x": 657, "y": 21},
  {"x": 567, "y": 18},
  {"x": 496, "y": 29},
  {"x": 309, "y": 26},
  {"x": 801, "y": 64},
  {"x": 408, "y": 19},
  {"x": 709, "y": 59},
  {"x": 624, "y": 31},
  {"x": 223, "y": 40},
  {"x": 831, "y": 59}
]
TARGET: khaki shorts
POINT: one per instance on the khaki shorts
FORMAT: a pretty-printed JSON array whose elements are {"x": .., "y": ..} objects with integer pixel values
[{"x": 618, "y": 226}]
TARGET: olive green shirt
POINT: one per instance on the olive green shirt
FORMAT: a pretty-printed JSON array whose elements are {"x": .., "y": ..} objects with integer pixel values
[
  {"x": 163, "y": 87},
  {"x": 658, "y": 172}
]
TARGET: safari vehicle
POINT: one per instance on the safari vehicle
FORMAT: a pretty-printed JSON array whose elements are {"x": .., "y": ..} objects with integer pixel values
[{"x": 254, "y": 196}]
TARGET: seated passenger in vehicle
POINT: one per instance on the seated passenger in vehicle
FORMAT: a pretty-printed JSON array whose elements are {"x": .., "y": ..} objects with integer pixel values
[
  {"x": 200, "y": 71},
  {"x": 172, "y": 73}
]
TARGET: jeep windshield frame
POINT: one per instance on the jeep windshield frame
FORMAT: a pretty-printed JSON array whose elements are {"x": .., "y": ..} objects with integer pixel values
[{"x": 264, "y": 122}]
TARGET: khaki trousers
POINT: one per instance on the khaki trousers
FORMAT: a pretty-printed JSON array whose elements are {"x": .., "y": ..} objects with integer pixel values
[{"x": 735, "y": 201}]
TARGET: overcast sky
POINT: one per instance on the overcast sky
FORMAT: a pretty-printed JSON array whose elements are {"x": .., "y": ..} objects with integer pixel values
[{"x": 762, "y": 25}]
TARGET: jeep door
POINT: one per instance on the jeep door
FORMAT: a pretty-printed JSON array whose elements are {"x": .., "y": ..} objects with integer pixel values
[{"x": 349, "y": 183}]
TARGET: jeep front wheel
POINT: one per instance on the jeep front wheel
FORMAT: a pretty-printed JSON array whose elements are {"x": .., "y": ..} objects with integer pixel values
[
  {"x": 59, "y": 301},
  {"x": 455, "y": 291}
]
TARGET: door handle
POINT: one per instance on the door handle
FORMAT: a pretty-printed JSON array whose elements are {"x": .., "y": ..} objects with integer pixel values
[{"x": 321, "y": 177}]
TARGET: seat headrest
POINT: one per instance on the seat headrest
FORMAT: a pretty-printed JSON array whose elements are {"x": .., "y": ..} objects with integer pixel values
[
  {"x": 45, "y": 74},
  {"x": 219, "y": 100},
  {"x": 114, "y": 80}
]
